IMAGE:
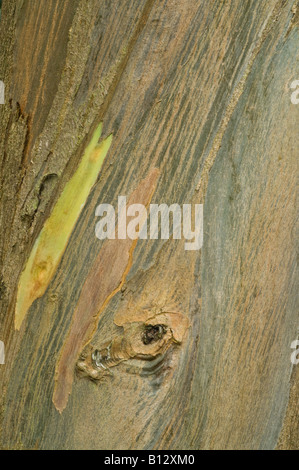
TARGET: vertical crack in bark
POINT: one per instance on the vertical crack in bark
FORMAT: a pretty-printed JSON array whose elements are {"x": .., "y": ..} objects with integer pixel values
[{"x": 123, "y": 62}]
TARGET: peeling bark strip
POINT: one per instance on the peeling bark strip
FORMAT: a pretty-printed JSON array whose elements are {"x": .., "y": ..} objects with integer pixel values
[
  {"x": 52, "y": 241},
  {"x": 100, "y": 286}
]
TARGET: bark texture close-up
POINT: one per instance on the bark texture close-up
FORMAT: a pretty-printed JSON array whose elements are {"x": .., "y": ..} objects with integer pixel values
[{"x": 141, "y": 343}]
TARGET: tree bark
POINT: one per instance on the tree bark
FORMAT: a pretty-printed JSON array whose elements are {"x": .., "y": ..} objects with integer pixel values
[{"x": 201, "y": 91}]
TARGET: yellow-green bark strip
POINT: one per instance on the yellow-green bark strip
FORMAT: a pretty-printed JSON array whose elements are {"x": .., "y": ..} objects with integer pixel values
[{"x": 53, "y": 238}]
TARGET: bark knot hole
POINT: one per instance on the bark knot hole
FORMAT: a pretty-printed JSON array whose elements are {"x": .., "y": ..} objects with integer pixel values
[{"x": 153, "y": 333}]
